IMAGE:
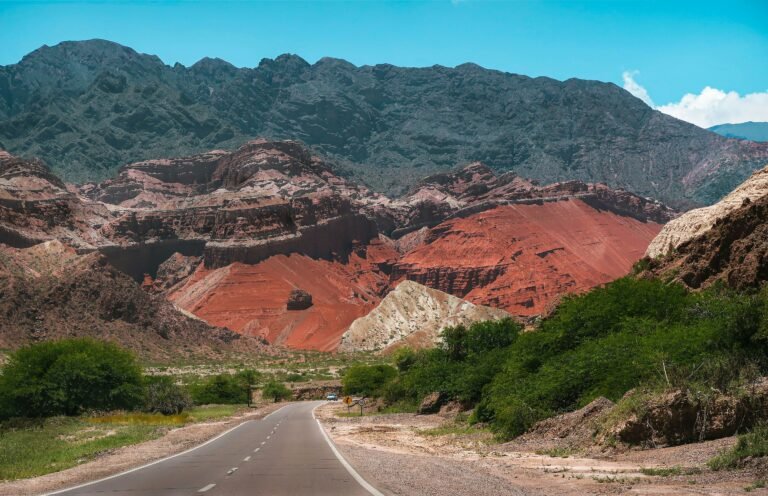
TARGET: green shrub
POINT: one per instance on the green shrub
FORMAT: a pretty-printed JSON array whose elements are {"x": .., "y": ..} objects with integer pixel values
[
  {"x": 627, "y": 334},
  {"x": 275, "y": 391},
  {"x": 367, "y": 380},
  {"x": 68, "y": 377},
  {"x": 164, "y": 396},
  {"x": 751, "y": 445},
  {"x": 221, "y": 389}
]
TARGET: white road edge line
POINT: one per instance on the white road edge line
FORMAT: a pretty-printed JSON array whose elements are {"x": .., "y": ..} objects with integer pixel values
[
  {"x": 207, "y": 488},
  {"x": 160, "y": 460},
  {"x": 352, "y": 471}
]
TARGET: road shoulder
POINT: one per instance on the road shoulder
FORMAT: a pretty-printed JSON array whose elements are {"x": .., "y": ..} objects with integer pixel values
[{"x": 130, "y": 457}]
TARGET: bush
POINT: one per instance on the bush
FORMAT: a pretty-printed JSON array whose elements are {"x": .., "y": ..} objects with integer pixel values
[
  {"x": 225, "y": 389},
  {"x": 367, "y": 380},
  {"x": 162, "y": 395},
  {"x": 222, "y": 389},
  {"x": 751, "y": 445},
  {"x": 627, "y": 334},
  {"x": 275, "y": 391},
  {"x": 68, "y": 377}
]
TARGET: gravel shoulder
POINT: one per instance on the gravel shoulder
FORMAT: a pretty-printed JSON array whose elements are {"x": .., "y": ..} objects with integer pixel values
[
  {"x": 128, "y": 457},
  {"x": 400, "y": 456}
]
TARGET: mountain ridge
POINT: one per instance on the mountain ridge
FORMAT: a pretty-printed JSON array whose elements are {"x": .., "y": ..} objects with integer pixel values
[{"x": 89, "y": 107}]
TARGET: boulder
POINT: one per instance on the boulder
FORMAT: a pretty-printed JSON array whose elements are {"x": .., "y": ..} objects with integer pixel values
[{"x": 299, "y": 300}]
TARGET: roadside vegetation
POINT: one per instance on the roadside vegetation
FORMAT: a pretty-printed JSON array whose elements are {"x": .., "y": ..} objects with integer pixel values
[
  {"x": 632, "y": 333},
  {"x": 33, "y": 447}
]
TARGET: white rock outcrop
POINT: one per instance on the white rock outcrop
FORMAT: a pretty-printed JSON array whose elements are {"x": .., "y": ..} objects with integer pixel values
[
  {"x": 412, "y": 314},
  {"x": 695, "y": 222}
]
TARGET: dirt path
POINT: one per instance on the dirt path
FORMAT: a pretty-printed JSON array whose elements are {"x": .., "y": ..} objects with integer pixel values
[
  {"x": 128, "y": 457},
  {"x": 396, "y": 453}
]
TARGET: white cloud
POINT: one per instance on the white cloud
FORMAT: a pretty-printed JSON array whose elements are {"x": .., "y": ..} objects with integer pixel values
[
  {"x": 713, "y": 106},
  {"x": 710, "y": 107},
  {"x": 634, "y": 87}
]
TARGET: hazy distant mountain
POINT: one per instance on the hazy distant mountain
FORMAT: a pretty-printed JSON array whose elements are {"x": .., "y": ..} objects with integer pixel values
[
  {"x": 754, "y": 131},
  {"x": 88, "y": 107}
]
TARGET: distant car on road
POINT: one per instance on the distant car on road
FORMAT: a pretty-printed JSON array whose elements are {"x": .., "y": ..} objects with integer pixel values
[{"x": 331, "y": 397}]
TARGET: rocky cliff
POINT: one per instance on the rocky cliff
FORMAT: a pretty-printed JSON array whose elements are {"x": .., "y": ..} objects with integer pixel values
[
  {"x": 733, "y": 251},
  {"x": 521, "y": 257},
  {"x": 88, "y": 107},
  {"x": 51, "y": 292},
  {"x": 232, "y": 237},
  {"x": 412, "y": 315},
  {"x": 698, "y": 221}
]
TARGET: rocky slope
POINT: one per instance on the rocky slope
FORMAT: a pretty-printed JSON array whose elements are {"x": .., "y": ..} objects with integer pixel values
[
  {"x": 734, "y": 251},
  {"x": 412, "y": 315},
  {"x": 270, "y": 242},
  {"x": 51, "y": 292},
  {"x": 88, "y": 107},
  {"x": 697, "y": 221},
  {"x": 521, "y": 257}
]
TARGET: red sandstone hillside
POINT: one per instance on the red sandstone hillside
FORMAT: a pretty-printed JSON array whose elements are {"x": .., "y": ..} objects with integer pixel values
[{"x": 232, "y": 237}]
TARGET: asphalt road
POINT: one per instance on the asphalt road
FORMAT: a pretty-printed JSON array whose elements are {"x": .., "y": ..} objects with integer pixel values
[{"x": 285, "y": 453}]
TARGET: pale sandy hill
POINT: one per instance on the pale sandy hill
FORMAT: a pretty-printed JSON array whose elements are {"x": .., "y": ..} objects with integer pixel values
[{"x": 412, "y": 314}]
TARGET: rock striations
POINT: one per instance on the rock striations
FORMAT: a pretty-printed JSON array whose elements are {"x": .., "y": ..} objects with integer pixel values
[
  {"x": 270, "y": 242},
  {"x": 726, "y": 243},
  {"x": 412, "y": 315},
  {"x": 700, "y": 220}
]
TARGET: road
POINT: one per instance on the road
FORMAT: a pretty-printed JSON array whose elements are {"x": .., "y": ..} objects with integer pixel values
[{"x": 285, "y": 453}]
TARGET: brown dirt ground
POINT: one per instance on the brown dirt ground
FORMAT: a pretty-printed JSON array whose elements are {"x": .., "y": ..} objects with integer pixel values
[{"x": 407, "y": 461}]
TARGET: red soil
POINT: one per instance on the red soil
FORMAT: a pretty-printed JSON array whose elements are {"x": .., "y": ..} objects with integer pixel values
[
  {"x": 251, "y": 299},
  {"x": 522, "y": 257}
]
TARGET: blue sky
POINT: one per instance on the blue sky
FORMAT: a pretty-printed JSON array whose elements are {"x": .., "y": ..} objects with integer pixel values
[{"x": 676, "y": 47}]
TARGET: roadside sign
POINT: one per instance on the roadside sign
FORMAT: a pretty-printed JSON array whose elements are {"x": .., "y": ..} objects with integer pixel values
[{"x": 347, "y": 400}]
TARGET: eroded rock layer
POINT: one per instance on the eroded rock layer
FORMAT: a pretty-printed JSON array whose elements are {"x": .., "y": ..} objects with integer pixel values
[
  {"x": 230, "y": 236},
  {"x": 413, "y": 315},
  {"x": 522, "y": 257},
  {"x": 51, "y": 292},
  {"x": 700, "y": 220}
]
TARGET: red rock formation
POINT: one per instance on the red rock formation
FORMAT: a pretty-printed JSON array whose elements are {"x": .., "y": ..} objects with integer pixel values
[
  {"x": 252, "y": 299},
  {"x": 519, "y": 257},
  {"x": 229, "y": 235}
]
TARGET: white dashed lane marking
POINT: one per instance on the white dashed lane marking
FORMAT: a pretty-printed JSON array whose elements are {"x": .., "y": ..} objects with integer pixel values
[
  {"x": 246, "y": 458},
  {"x": 231, "y": 471},
  {"x": 207, "y": 488}
]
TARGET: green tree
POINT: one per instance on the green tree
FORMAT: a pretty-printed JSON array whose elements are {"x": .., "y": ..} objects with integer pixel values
[
  {"x": 68, "y": 377},
  {"x": 221, "y": 389},
  {"x": 367, "y": 380},
  {"x": 275, "y": 391},
  {"x": 164, "y": 396}
]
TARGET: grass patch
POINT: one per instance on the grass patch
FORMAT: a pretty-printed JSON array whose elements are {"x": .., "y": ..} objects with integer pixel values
[
  {"x": 661, "y": 471},
  {"x": 30, "y": 448},
  {"x": 560, "y": 452},
  {"x": 758, "y": 484},
  {"x": 751, "y": 445},
  {"x": 213, "y": 412},
  {"x": 133, "y": 418},
  {"x": 59, "y": 443}
]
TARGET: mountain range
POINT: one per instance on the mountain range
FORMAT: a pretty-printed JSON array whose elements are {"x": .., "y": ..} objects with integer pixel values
[
  {"x": 88, "y": 107},
  {"x": 753, "y": 131}
]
